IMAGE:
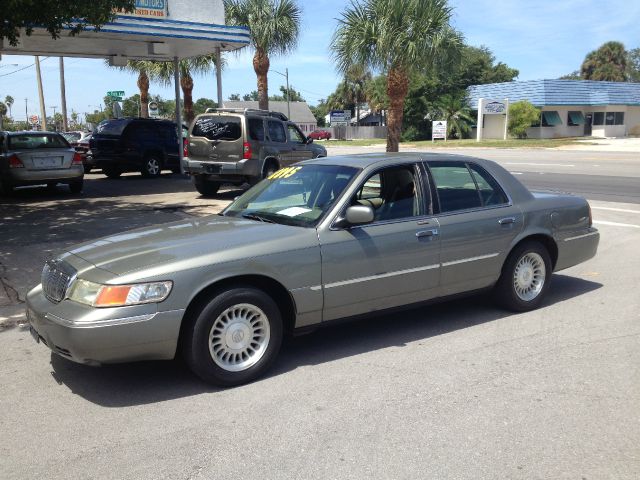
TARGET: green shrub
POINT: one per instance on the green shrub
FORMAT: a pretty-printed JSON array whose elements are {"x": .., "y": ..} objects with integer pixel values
[{"x": 522, "y": 115}]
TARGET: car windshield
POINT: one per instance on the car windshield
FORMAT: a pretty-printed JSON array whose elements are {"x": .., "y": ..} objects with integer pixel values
[
  {"x": 32, "y": 141},
  {"x": 299, "y": 195}
]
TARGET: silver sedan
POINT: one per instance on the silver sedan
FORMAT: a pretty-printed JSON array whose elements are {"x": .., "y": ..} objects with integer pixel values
[
  {"x": 36, "y": 158},
  {"x": 319, "y": 241}
]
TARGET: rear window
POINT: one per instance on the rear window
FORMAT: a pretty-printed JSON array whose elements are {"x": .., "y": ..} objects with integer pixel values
[
  {"x": 217, "y": 127},
  {"x": 38, "y": 140},
  {"x": 111, "y": 127}
]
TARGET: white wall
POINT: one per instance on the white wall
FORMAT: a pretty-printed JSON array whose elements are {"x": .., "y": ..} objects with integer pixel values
[
  {"x": 632, "y": 120},
  {"x": 200, "y": 11},
  {"x": 493, "y": 126},
  {"x": 564, "y": 130}
]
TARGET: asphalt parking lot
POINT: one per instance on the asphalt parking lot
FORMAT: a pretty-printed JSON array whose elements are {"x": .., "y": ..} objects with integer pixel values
[{"x": 455, "y": 390}]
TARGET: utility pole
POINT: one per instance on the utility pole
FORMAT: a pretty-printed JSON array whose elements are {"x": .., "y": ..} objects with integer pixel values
[
  {"x": 26, "y": 110},
  {"x": 63, "y": 94},
  {"x": 43, "y": 111},
  {"x": 286, "y": 76},
  {"x": 219, "y": 76}
]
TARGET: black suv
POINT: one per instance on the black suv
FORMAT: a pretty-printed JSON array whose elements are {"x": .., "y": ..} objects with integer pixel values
[{"x": 135, "y": 145}]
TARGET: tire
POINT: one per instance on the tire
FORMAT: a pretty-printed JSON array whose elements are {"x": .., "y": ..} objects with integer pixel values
[
  {"x": 112, "y": 172},
  {"x": 233, "y": 338},
  {"x": 6, "y": 188},
  {"x": 525, "y": 277},
  {"x": 269, "y": 169},
  {"x": 152, "y": 167},
  {"x": 87, "y": 169},
  {"x": 205, "y": 187},
  {"x": 76, "y": 187}
]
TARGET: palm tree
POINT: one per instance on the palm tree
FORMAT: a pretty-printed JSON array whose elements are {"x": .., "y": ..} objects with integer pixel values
[
  {"x": 456, "y": 111},
  {"x": 3, "y": 112},
  {"x": 163, "y": 72},
  {"x": 607, "y": 63},
  {"x": 9, "y": 102},
  {"x": 141, "y": 67},
  {"x": 356, "y": 79},
  {"x": 274, "y": 26},
  {"x": 396, "y": 37}
]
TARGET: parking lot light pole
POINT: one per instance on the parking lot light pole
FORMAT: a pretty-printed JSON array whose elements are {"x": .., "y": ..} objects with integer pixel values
[
  {"x": 286, "y": 76},
  {"x": 176, "y": 81}
]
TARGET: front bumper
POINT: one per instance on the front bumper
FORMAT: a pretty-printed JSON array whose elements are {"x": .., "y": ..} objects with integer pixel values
[{"x": 108, "y": 335}]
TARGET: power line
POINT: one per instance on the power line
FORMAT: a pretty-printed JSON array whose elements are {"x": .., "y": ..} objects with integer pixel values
[{"x": 23, "y": 68}]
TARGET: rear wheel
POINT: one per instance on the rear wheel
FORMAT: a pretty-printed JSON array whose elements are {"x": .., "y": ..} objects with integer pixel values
[
  {"x": 204, "y": 187},
  {"x": 112, "y": 172},
  {"x": 152, "y": 167},
  {"x": 87, "y": 169},
  {"x": 525, "y": 277},
  {"x": 76, "y": 187},
  {"x": 233, "y": 338},
  {"x": 5, "y": 187}
]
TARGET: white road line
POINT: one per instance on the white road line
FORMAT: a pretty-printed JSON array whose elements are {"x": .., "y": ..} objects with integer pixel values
[
  {"x": 516, "y": 173},
  {"x": 616, "y": 224},
  {"x": 541, "y": 164},
  {"x": 615, "y": 209}
]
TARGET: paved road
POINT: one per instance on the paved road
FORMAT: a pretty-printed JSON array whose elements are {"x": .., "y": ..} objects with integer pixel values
[
  {"x": 607, "y": 176},
  {"x": 458, "y": 390}
]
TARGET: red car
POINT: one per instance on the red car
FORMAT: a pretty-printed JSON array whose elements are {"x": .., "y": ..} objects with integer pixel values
[{"x": 320, "y": 135}]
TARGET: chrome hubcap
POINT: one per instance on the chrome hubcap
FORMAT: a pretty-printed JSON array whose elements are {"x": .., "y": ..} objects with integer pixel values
[
  {"x": 529, "y": 276},
  {"x": 153, "y": 167},
  {"x": 239, "y": 337}
]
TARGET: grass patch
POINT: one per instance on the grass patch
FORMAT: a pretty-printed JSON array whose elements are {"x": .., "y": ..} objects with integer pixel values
[{"x": 469, "y": 143}]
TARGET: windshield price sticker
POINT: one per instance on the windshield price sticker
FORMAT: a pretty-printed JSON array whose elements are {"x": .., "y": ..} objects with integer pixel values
[{"x": 285, "y": 173}]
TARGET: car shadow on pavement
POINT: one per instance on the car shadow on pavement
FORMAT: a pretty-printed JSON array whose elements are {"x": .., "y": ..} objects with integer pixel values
[{"x": 125, "y": 385}]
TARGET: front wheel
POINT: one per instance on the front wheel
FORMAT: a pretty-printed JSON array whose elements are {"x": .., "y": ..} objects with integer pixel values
[
  {"x": 525, "y": 277},
  {"x": 234, "y": 338}
]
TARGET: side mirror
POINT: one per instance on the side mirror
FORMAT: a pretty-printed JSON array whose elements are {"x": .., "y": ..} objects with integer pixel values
[
  {"x": 356, "y": 215},
  {"x": 309, "y": 140}
]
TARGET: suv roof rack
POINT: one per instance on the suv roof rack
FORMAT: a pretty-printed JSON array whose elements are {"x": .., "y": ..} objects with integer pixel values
[{"x": 255, "y": 111}]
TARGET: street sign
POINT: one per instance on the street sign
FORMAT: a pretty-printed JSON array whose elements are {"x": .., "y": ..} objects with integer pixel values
[
  {"x": 439, "y": 130},
  {"x": 340, "y": 118},
  {"x": 117, "y": 95},
  {"x": 34, "y": 119},
  {"x": 153, "y": 109}
]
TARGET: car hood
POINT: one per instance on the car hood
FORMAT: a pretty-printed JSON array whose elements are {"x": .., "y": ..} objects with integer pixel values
[{"x": 224, "y": 237}]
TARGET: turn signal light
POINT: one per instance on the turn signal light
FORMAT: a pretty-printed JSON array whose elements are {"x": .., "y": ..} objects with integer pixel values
[
  {"x": 246, "y": 151},
  {"x": 15, "y": 162},
  {"x": 77, "y": 159}
]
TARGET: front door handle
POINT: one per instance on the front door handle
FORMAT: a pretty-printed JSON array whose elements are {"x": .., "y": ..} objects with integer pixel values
[
  {"x": 427, "y": 233},
  {"x": 507, "y": 221}
]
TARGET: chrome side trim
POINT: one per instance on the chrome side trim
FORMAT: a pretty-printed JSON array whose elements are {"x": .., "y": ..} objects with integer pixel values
[
  {"x": 580, "y": 236},
  {"x": 471, "y": 259},
  {"x": 99, "y": 323},
  {"x": 382, "y": 275}
]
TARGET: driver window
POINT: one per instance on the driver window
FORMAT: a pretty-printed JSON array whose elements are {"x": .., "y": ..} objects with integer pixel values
[
  {"x": 295, "y": 135},
  {"x": 392, "y": 193}
]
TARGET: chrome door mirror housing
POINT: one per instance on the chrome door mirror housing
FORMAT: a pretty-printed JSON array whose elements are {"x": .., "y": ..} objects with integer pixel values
[{"x": 356, "y": 215}]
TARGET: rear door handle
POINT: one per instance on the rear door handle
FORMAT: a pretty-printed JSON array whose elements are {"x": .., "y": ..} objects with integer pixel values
[
  {"x": 427, "y": 233},
  {"x": 507, "y": 221}
]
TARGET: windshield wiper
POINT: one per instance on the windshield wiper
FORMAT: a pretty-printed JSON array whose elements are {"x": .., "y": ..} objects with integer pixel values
[{"x": 253, "y": 216}]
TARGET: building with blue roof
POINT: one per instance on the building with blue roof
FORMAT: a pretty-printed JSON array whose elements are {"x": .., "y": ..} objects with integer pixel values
[{"x": 569, "y": 108}]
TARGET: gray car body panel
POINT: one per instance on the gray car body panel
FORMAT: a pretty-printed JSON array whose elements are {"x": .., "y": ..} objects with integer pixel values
[{"x": 329, "y": 272}]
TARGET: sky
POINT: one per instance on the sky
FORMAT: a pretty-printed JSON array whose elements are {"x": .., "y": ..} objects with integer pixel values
[{"x": 543, "y": 39}]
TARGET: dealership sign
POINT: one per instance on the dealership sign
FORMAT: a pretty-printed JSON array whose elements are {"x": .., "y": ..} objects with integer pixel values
[
  {"x": 153, "y": 109},
  {"x": 493, "y": 107},
  {"x": 148, "y": 8},
  {"x": 340, "y": 118},
  {"x": 439, "y": 130}
]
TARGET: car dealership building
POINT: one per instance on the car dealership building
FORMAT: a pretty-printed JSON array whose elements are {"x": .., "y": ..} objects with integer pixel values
[{"x": 569, "y": 108}]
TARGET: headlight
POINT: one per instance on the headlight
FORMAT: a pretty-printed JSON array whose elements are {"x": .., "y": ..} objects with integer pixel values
[{"x": 98, "y": 295}]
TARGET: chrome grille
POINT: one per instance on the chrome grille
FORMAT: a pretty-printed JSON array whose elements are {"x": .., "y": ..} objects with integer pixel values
[{"x": 56, "y": 277}]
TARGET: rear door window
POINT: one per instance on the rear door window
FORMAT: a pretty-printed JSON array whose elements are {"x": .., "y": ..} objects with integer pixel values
[
  {"x": 217, "y": 127},
  {"x": 455, "y": 186},
  {"x": 256, "y": 129},
  {"x": 490, "y": 191},
  {"x": 276, "y": 132}
]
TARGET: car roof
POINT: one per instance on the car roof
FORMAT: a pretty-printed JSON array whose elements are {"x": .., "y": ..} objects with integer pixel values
[
  {"x": 31, "y": 132},
  {"x": 364, "y": 160}
]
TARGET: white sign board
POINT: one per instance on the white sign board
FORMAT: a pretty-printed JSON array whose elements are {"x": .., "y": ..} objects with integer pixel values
[
  {"x": 148, "y": 9},
  {"x": 493, "y": 107},
  {"x": 153, "y": 109},
  {"x": 439, "y": 130},
  {"x": 340, "y": 118}
]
